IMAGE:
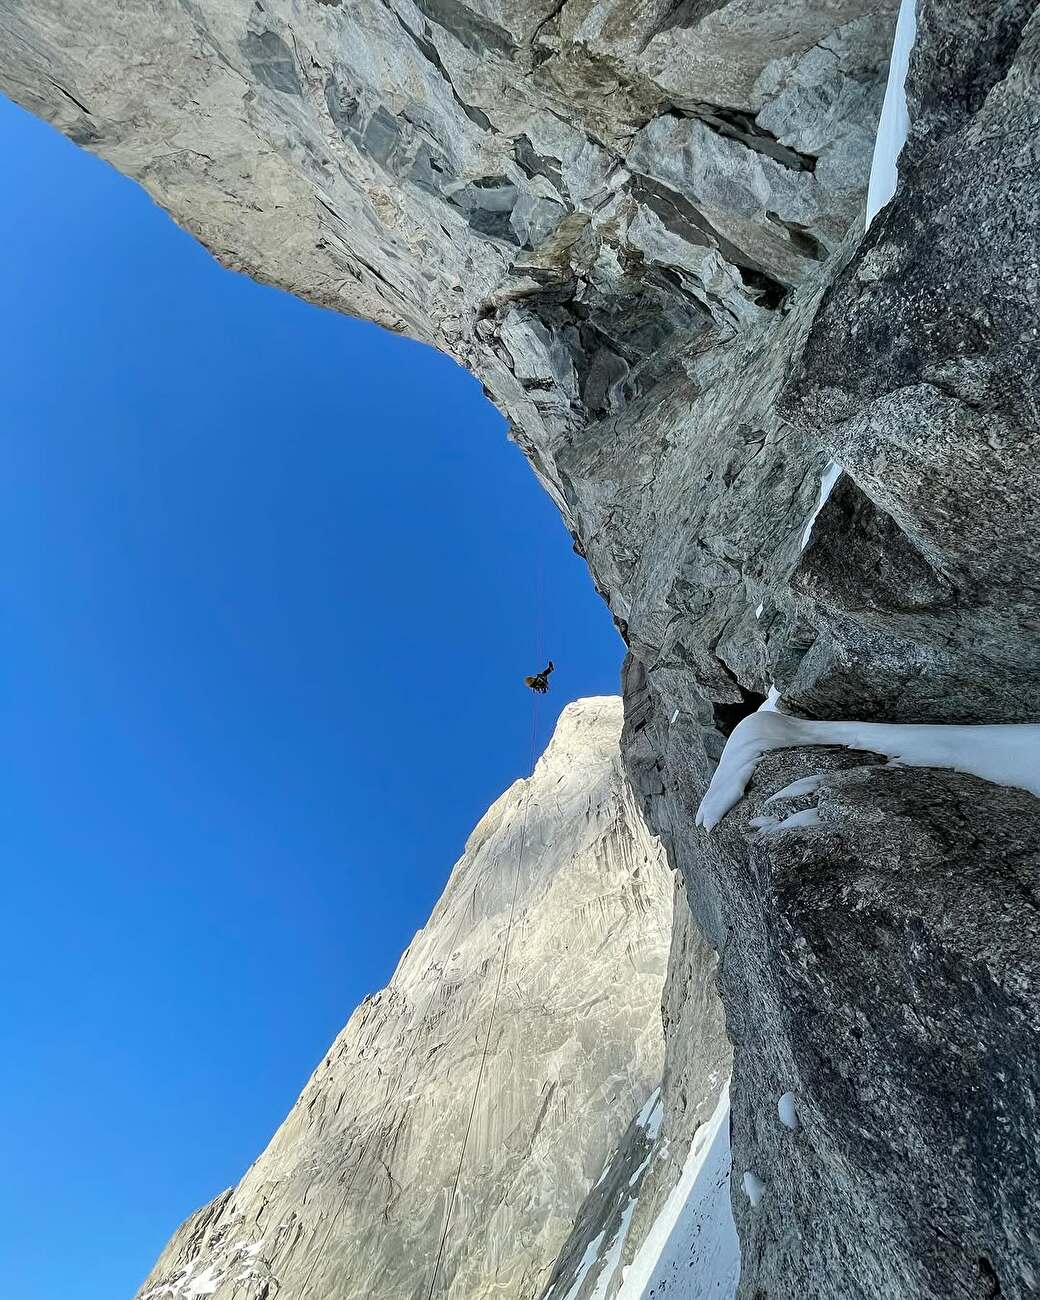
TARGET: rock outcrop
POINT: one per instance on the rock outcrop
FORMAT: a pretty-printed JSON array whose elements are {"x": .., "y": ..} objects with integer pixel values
[
  {"x": 641, "y": 226},
  {"x": 349, "y": 1200}
]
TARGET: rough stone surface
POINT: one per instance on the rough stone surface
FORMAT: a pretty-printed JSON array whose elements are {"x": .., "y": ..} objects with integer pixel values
[
  {"x": 898, "y": 943},
  {"x": 641, "y": 226},
  {"x": 921, "y": 377},
  {"x": 623, "y": 1205},
  {"x": 349, "y": 1198}
]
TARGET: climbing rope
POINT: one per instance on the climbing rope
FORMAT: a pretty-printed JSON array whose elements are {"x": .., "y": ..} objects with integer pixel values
[
  {"x": 503, "y": 962},
  {"x": 391, "y": 1095},
  {"x": 504, "y": 959}
]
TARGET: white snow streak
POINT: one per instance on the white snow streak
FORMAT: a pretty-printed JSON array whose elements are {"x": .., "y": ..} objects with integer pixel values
[
  {"x": 754, "y": 1188},
  {"x": 795, "y": 822},
  {"x": 787, "y": 1109},
  {"x": 830, "y": 476},
  {"x": 187, "y": 1285},
  {"x": 587, "y": 1261},
  {"x": 613, "y": 1257},
  {"x": 692, "y": 1252},
  {"x": 894, "y": 123},
  {"x": 1006, "y": 754},
  {"x": 893, "y": 126},
  {"x": 651, "y": 1107},
  {"x": 807, "y": 785},
  {"x": 769, "y": 704}
]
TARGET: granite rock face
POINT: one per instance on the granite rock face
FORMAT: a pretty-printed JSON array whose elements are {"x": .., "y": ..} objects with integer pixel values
[
  {"x": 623, "y": 1206},
  {"x": 349, "y": 1199},
  {"x": 641, "y": 226},
  {"x": 606, "y": 211},
  {"x": 921, "y": 378},
  {"x": 898, "y": 943}
]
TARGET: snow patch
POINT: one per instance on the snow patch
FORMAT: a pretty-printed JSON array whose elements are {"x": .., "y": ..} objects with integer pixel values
[
  {"x": 691, "y": 1252},
  {"x": 807, "y": 785},
  {"x": 894, "y": 124},
  {"x": 613, "y": 1257},
  {"x": 787, "y": 1109},
  {"x": 187, "y": 1286},
  {"x": 640, "y": 1171},
  {"x": 605, "y": 1170},
  {"x": 830, "y": 476},
  {"x": 653, "y": 1109},
  {"x": 771, "y": 702},
  {"x": 1006, "y": 754},
  {"x": 795, "y": 822},
  {"x": 587, "y": 1261},
  {"x": 754, "y": 1188}
]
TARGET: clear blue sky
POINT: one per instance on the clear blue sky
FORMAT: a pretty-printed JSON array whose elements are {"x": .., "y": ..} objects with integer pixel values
[{"x": 267, "y": 582}]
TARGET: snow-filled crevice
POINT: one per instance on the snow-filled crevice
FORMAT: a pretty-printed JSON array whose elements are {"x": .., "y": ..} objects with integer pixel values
[
  {"x": 892, "y": 130},
  {"x": 894, "y": 123},
  {"x": 1006, "y": 754},
  {"x": 691, "y": 1252}
]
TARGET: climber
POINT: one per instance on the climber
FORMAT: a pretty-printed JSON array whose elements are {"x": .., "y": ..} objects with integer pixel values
[{"x": 540, "y": 681}]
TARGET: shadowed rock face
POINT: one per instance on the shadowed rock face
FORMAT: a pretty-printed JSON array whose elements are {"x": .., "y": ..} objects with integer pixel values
[
  {"x": 898, "y": 944},
  {"x": 349, "y": 1198},
  {"x": 920, "y": 375},
  {"x": 641, "y": 226}
]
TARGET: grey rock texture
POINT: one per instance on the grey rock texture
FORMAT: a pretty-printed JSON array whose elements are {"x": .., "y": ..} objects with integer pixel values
[
  {"x": 921, "y": 378},
  {"x": 604, "y": 210},
  {"x": 350, "y": 1196},
  {"x": 621, "y": 1208},
  {"x": 641, "y": 226},
  {"x": 591, "y": 1261},
  {"x": 898, "y": 943}
]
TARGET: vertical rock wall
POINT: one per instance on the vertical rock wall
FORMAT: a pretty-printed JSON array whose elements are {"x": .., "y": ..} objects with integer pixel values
[{"x": 349, "y": 1199}]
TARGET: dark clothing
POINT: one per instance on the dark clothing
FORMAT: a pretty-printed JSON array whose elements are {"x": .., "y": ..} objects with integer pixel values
[{"x": 540, "y": 681}]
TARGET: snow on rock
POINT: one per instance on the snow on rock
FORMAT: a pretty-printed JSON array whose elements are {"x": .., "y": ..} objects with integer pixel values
[
  {"x": 771, "y": 702},
  {"x": 1004, "y": 754},
  {"x": 787, "y": 1109},
  {"x": 613, "y": 1257},
  {"x": 649, "y": 1118},
  {"x": 894, "y": 123},
  {"x": 590, "y": 1257},
  {"x": 796, "y": 821},
  {"x": 807, "y": 785},
  {"x": 754, "y": 1188},
  {"x": 692, "y": 1251},
  {"x": 830, "y": 476},
  {"x": 884, "y": 173},
  {"x": 186, "y": 1286}
]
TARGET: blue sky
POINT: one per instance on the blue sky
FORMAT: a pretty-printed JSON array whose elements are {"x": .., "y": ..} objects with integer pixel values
[{"x": 268, "y": 581}]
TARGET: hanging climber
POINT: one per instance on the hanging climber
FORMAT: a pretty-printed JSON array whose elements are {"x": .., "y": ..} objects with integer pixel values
[{"x": 540, "y": 681}]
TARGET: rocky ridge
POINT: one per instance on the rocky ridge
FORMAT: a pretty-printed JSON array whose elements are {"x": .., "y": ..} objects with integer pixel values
[{"x": 349, "y": 1199}]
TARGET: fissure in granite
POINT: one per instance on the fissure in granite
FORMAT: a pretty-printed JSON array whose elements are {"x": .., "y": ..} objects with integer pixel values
[{"x": 641, "y": 227}]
